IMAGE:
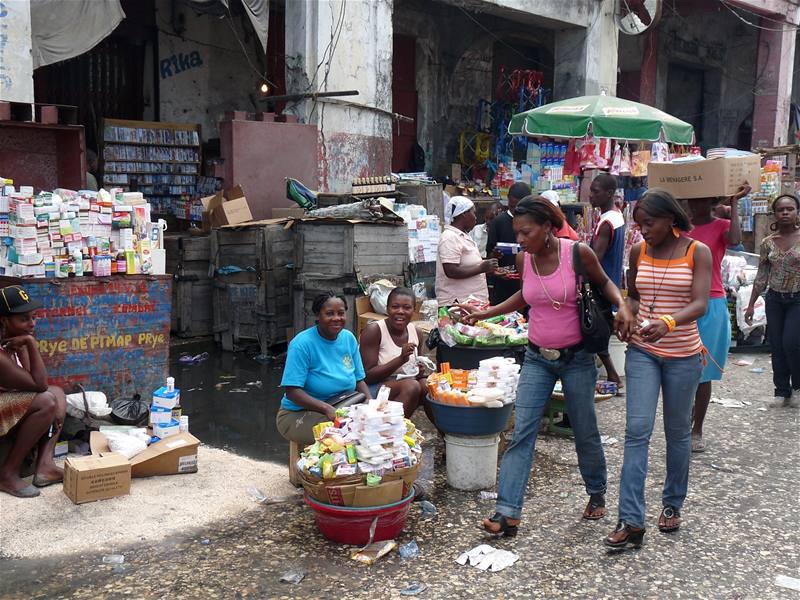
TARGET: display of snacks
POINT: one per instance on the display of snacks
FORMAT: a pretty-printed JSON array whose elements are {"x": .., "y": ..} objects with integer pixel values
[
  {"x": 492, "y": 385},
  {"x": 503, "y": 330}
]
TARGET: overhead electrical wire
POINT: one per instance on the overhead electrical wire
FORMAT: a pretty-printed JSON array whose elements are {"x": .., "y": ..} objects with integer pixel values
[{"x": 751, "y": 24}]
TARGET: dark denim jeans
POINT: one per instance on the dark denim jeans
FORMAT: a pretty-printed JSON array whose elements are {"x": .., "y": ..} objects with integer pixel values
[
  {"x": 783, "y": 328},
  {"x": 646, "y": 375},
  {"x": 537, "y": 379}
]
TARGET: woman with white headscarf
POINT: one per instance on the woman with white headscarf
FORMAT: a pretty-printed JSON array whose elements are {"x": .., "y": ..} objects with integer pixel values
[{"x": 460, "y": 270}]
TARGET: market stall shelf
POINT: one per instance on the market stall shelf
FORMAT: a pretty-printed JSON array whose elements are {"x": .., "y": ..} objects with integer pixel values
[
  {"x": 108, "y": 334},
  {"x": 188, "y": 259},
  {"x": 252, "y": 298}
]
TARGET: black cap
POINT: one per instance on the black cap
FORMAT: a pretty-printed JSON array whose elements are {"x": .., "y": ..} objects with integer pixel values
[{"x": 15, "y": 300}]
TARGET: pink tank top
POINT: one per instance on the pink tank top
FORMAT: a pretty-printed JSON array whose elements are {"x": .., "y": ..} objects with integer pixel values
[
  {"x": 388, "y": 350},
  {"x": 548, "y": 327}
]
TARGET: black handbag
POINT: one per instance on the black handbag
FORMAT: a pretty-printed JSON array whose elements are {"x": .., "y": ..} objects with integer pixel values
[
  {"x": 348, "y": 399},
  {"x": 594, "y": 311}
]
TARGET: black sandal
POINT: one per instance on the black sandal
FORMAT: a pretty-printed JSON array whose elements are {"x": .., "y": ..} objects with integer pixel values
[
  {"x": 669, "y": 512},
  {"x": 595, "y": 501},
  {"x": 505, "y": 530}
]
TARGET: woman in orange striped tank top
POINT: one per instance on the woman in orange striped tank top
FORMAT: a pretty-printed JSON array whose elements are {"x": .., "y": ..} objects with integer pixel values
[{"x": 669, "y": 280}]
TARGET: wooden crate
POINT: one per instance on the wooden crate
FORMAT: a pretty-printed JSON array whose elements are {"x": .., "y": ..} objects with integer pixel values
[
  {"x": 254, "y": 304},
  {"x": 342, "y": 248},
  {"x": 188, "y": 261}
]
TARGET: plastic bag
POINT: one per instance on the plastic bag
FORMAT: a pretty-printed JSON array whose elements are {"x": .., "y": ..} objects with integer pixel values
[
  {"x": 429, "y": 310},
  {"x": 490, "y": 340},
  {"x": 419, "y": 291},
  {"x": 125, "y": 444},
  {"x": 759, "y": 312},
  {"x": 98, "y": 405},
  {"x": 130, "y": 411},
  {"x": 379, "y": 295}
]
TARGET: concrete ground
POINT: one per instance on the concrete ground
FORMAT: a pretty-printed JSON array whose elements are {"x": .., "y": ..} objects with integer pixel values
[{"x": 740, "y": 531}]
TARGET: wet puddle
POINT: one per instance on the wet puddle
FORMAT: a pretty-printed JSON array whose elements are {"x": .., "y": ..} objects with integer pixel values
[{"x": 231, "y": 400}]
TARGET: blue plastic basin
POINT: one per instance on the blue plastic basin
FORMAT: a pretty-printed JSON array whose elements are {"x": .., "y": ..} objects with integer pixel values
[{"x": 469, "y": 420}]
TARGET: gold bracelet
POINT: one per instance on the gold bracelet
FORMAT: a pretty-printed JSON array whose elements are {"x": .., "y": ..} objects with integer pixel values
[{"x": 669, "y": 321}]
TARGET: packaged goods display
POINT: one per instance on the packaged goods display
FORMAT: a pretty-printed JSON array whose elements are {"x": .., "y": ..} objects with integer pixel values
[
  {"x": 369, "y": 439},
  {"x": 160, "y": 160},
  {"x": 492, "y": 385},
  {"x": 503, "y": 330},
  {"x": 423, "y": 232},
  {"x": 67, "y": 233}
]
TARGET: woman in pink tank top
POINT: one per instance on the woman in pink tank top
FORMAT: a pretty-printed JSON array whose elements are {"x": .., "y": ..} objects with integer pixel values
[{"x": 555, "y": 351}]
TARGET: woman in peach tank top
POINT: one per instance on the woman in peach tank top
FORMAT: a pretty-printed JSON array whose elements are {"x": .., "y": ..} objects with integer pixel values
[
  {"x": 669, "y": 280},
  {"x": 555, "y": 351}
]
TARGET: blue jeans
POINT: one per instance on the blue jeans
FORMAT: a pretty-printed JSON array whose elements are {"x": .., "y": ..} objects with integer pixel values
[
  {"x": 646, "y": 375},
  {"x": 537, "y": 379}
]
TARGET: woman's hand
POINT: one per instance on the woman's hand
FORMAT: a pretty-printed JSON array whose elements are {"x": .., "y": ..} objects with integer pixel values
[
  {"x": 407, "y": 350},
  {"x": 624, "y": 323},
  {"x": 17, "y": 342},
  {"x": 330, "y": 412},
  {"x": 654, "y": 331},
  {"x": 474, "y": 317},
  {"x": 748, "y": 314},
  {"x": 489, "y": 265}
]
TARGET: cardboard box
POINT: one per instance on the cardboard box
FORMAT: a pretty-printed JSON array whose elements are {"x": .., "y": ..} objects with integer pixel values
[
  {"x": 171, "y": 456},
  {"x": 233, "y": 210},
  {"x": 350, "y": 491},
  {"x": 706, "y": 178},
  {"x": 98, "y": 477},
  {"x": 288, "y": 213},
  {"x": 366, "y": 315}
]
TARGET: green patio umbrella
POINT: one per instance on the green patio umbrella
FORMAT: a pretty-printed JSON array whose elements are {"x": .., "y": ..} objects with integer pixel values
[{"x": 603, "y": 116}]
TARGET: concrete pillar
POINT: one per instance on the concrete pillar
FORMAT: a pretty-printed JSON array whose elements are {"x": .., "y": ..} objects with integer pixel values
[
  {"x": 586, "y": 59},
  {"x": 774, "y": 85},
  {"x": 16, "y": 62},
  {"x": 335, "y": 46}
]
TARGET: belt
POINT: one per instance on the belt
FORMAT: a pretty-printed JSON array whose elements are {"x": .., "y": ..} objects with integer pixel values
[{"x": 554, "y": 354}]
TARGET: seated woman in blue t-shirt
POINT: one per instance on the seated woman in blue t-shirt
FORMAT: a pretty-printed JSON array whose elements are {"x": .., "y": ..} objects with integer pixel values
[{"x": 322, "y": 363}]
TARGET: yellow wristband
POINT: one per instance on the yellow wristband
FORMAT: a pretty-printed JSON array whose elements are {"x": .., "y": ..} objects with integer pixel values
[{"x": 669, "y": 321}]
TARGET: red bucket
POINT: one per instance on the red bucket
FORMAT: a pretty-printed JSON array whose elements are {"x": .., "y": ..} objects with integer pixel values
[{"x": 350, "y": 525}]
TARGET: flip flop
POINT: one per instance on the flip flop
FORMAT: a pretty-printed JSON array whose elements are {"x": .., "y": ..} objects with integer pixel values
[
  {"x": 40, "y": 482},
  {"x": 28, "y": 491},
  {"x": 698, "y": 445}
]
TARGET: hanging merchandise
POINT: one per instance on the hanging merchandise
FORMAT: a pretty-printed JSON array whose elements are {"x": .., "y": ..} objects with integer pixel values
[
  {"x": 641, "y": 158},
  {"x": 616, "y": 162},
  {"x": 572, "y": 160},
  {"x": 625, "y": 162},
  {"x": 659, "y": 152},
  {"x": 588, "y": 153}
]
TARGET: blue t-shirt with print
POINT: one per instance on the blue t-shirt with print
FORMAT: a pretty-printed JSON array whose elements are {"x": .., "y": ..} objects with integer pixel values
[{"x": 323, "y": 368}]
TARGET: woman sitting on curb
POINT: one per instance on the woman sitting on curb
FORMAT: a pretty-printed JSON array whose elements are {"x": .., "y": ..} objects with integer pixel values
[
  {"x": 387, "y": 346},
  {"x": 28, "y": 406},
  {"x": 322, "y": 363}
]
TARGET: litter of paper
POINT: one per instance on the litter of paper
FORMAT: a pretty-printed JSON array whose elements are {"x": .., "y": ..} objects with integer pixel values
[
  {"x": 485, "y": 557},
  {"x": 788, "y": 582},
  {"x": 607, "y": 440},
  {"x": 729, "y": 402}
]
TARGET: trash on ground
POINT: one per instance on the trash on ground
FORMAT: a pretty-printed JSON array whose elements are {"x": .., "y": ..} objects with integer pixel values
[
  {"x": 484, "y": 495},
  {"x": 409, "y": 550},
  {"x": 238, "y": 391},
  {"x": 227, "y": 376},
  {"x": 188, "y": 359},
  {"x": 428, "y": 509},
  {"x": 722, "y": 468},
  {"x": 744, "y": 362},
  {"x": 118, "y": 569},
  {"x": 114, "y": 559},
  {"x": 373, "y": 552},
  {"x": 294, "y": 576},
  {"x": 485, "y": 557},
  {"x": 262, "y": 358},
  {"x": 205, "y": 541},
  {"x": 764, "y": 408},
  {"x": 607, "y": 440},
  {"x": 256, "y": 495},
  {"x": 258, "y": 383},
  {"x": 783, "y": 581},
  {"x": 414, "y": 589},
  {"x": 728, "y": 402},
  {"x": 757, "y": 370}
]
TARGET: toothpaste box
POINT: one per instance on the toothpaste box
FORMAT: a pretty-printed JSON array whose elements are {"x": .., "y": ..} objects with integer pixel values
[
  {"x": 160, "y": 415},
  {"x": 163, "y": 430},
  {"x": 166, "y": 399}
]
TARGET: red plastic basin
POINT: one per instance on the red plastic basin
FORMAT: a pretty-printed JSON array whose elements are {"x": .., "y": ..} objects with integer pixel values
[{"x": 350, "y": 525}]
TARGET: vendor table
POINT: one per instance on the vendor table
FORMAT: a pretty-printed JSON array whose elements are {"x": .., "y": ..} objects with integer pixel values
[{"x": 110, "y": 334}]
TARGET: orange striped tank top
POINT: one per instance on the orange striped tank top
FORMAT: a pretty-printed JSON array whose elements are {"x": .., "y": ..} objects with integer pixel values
[{"x": 666, "y": 286}]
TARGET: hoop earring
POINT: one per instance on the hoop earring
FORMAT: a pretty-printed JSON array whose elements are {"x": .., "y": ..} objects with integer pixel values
[
  {"x": 547, "y": 241},
  {"x": 773, "y": 227}
]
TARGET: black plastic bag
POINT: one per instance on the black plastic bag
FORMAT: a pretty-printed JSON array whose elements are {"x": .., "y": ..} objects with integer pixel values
[{"x": 130, "y": 411}]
